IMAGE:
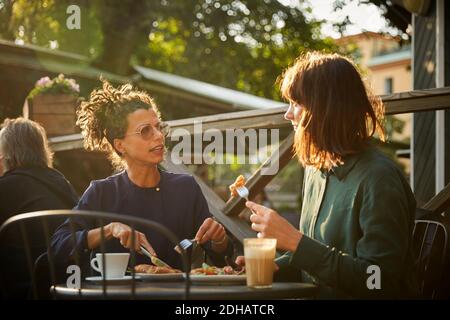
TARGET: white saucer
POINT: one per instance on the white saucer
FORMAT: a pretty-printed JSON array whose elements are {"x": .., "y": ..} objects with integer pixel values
[{"x": 99, "y": 279}]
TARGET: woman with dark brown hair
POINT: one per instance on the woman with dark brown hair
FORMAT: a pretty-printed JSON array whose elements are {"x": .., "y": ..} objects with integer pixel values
[
  {"x": 126, "y": 124},
  {"x": 357, "y": 215}
]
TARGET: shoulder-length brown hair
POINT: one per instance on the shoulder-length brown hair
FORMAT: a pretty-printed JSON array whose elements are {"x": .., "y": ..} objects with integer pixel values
[
  {"x": 339, "y": 113},
  {"x": 23, "y": 143}
]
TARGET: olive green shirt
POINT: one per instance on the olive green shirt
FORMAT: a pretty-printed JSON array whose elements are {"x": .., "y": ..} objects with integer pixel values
[{"x": 356, "y": 215}]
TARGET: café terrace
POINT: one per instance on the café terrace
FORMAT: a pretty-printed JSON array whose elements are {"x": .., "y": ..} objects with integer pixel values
[{"x": 429, "y": 154}]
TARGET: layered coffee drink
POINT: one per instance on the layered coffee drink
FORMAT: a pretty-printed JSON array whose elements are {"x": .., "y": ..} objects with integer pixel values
[{"x": 259, "y": 262}]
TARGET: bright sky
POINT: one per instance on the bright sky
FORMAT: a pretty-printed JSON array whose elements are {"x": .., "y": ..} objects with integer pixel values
[{"x": 364, "y": 17}]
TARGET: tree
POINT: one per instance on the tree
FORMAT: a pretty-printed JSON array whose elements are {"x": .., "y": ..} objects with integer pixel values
[
  {"x": 43, "y": 23},
  {"x": 396, "y": 16},
  {"x": 5, "y": 18},
  {"x": 236, "y": 44},
  {"x": 242, "y": 44}
]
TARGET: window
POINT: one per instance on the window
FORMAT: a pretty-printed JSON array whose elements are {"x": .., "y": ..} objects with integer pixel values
[{"x": 388, "y": 85}]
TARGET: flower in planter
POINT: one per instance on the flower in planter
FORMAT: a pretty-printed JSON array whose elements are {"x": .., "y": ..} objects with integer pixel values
[
  {"x": 57, "y": 85},
  {"x": 43, "y": 81}
]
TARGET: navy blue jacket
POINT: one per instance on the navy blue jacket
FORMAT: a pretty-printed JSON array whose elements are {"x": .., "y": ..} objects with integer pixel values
[{"x": 177, "y": 203}]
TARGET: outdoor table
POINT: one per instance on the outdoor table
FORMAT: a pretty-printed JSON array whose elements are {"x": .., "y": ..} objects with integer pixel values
[{"x": 175, "y": 290}]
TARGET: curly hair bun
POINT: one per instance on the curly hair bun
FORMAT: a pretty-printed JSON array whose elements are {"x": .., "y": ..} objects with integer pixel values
[{"x": 103, "y": 117}]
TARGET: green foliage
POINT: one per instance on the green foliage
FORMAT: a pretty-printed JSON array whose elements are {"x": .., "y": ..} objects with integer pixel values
[
  {"x": 397, "y": 17},
  {"x": 5, "y": 17},
  {"x": 239, "y": 44},
  {"x": 43, "y": 23},
  {"x": 242, "y": 45},
  {"x": 393, "y": 125}
]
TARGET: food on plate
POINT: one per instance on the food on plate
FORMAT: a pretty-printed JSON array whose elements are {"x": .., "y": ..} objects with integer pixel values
[
  {"x": 212, "y": 270},
  {"x": 204, "y": 270},
  {"x": 151, "y": 269},
  {"x": 239, "y": 182}
]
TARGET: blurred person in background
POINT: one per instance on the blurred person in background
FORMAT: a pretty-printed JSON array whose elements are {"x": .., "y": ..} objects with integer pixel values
[{"x": 28, "y": 182}]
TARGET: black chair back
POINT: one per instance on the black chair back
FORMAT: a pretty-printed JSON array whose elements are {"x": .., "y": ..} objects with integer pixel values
[
  {"x": 430, "y": 242},
  {"x": 45, "y": 268}
]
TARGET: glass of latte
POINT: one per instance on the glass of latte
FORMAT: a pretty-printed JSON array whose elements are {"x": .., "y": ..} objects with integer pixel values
[{"x": 259, "y": 261}]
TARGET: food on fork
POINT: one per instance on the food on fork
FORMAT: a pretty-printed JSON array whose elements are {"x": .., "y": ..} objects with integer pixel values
[
  {"x": 239, "y": 182},
  {"x": 151, "y": 269}
]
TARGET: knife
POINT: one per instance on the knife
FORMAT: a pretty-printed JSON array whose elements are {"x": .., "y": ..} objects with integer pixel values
[{"x": 155, "y": 260}]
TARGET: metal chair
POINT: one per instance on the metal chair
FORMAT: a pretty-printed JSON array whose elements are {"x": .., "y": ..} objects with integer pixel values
[
  {"x": 430, "y": 243},
  {"x": 43, "y": 217}
]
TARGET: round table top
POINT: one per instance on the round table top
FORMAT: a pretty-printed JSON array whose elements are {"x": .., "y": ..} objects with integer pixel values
[{"x": 176, "y": 290}]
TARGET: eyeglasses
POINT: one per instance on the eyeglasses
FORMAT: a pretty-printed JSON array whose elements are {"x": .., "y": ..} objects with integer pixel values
[{"x": 148, "y": 131}]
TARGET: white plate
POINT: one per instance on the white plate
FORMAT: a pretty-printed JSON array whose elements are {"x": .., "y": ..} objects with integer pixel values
[
  {"x": 125, "y": 279},
  {"x": 160, "y": 276},
  {"x": 218, "y": 279}
]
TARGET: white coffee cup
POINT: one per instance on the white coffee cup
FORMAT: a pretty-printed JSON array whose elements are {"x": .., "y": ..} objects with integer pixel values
[{"x": 115, "y": 266}]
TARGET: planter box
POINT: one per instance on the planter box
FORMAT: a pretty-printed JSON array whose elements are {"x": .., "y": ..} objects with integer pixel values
[{"x": 55, "y": 112}]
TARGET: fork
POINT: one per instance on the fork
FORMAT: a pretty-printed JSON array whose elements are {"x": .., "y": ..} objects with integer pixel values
[
  {"x": 184, "y": 244},
  {"x": 244, "y": 193}
]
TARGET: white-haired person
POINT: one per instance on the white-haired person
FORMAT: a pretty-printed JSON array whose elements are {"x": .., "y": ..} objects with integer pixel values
[{"x": 28, "y": 182}]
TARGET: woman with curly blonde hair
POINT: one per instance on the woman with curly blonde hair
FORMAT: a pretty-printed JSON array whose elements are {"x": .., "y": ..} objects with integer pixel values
[
  {"x": 126, "y": 124},
  {"x": 357, "y": 211}
]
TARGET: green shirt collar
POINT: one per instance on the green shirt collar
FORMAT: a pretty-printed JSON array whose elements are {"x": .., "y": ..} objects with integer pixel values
[{"x": 342, "y": 170}]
